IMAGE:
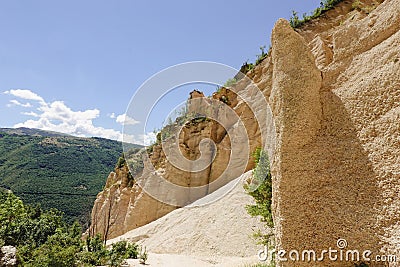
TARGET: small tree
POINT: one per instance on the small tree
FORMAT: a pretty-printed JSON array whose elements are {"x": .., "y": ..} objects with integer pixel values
[
  {"x": 12, "y": 214},
  {"x": 295, "y": 20},
  {"x": 121, "y": 161},
  {"x": 260, "y": 189}
]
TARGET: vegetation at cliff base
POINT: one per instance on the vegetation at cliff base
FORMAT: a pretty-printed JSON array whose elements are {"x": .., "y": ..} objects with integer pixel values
[
  {"x": 57, "y": 171},
  {"x": 42, "y": 238},
  {"x": 260, "y": 188}
]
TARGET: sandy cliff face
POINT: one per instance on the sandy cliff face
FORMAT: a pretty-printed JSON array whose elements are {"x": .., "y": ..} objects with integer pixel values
[
  {"x": 337, "y": 156},
  {"x": 124, "y": 205},
  {"x": 334, "y": 90}
]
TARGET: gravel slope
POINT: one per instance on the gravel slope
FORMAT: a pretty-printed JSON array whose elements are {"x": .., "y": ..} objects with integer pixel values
[{"x": 217, "y": 234}]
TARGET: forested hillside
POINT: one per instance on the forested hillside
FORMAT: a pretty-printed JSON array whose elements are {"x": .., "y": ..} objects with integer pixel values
[{"x": 55, "y": 170}]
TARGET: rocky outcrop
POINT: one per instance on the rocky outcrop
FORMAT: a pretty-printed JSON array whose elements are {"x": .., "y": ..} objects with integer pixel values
[
  {"x": 333, "y": 137},
  {"x": 123, "y": 206},
  {"x": 337, "y": 148},
  {"x": 128, "y": 202},
  {"x": 8, "y": 256}
]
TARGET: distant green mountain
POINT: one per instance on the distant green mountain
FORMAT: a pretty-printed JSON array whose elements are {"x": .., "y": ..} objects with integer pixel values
[
  {"x": 56, "y": 170},
  {"x": 33, "y": 132}
]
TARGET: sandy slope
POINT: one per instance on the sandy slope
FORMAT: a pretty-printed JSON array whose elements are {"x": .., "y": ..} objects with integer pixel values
[
  {"x": 217, "y": 234},
  {"x": 175, "y": 260}
]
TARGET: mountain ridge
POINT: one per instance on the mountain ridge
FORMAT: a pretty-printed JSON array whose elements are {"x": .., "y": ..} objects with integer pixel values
[
  {"x": 56, "y": 170},
  {"x": 32, "y": 132}
]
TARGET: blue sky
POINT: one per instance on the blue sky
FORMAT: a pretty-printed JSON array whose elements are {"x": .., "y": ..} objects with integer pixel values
[{"x": 73, "y": 66}]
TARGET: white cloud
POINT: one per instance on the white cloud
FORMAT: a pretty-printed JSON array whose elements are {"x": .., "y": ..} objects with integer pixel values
[
  {"x": 17, "y": 103},
  {"x": 58, "y": 111},
  {"x": 144, "y": 139},
  {"x": 126, "y": 120},
  {"x": 127, "y": 138},
  {"x": 83, "y": 128},
  {"x": 25, "y": 94},
  {"x": 31, "y": 113},
  {"x": 149, "y": 138},
  {"x": 57, "y": 116}
]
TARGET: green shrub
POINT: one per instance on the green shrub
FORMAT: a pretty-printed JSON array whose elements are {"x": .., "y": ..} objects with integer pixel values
[
  {"x": 43, "y": 238},
  {"x": 263, "y": 55},
  {"x": 26, "y": 225},
  {"x": 143, "y": 255},
  {"x": 295, "y": 20},
  {"x": 121, "y": 161},
  {"x": 95, "y": 253},
  {"x": 12, "y": 216},
  {"x": 246, "y": 67},
  {"x": 260, "y": 189},
  {"x": 118, "y": 253},
  {"x": 132, "y": 251},
  {"x": 325, "y": 5},
  {"x": 94, "y": 244},
  {"x": 51, "y": 256},
  {"x": 60, "y": 249}
]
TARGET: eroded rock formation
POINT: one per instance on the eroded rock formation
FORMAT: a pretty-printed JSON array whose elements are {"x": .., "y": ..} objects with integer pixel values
[
  {"x": 123, "y": 205},
  {"x": 337, "y": 136},
  {"x": 333, "y": 138}
]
